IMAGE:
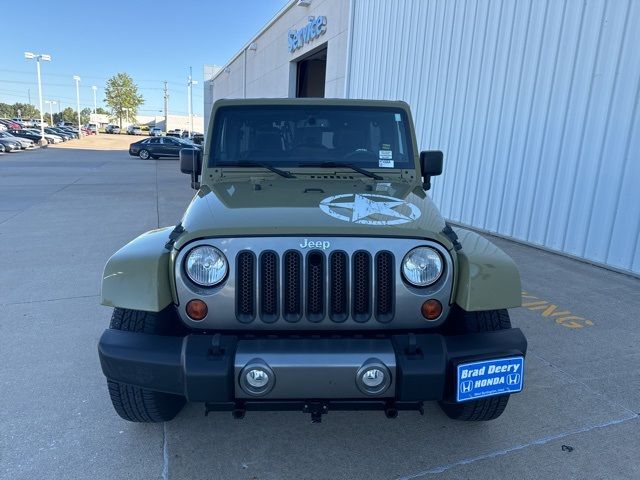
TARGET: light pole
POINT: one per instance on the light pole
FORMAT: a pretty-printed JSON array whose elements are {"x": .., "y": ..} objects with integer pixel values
[
  {"x": 51, "y": 103},
  {"x": 95, "y": 105},
  {"x": 77, "y": 79},
  {"x": 190, "y": 85},
  {"x": 45, "y": 58},
  {"x": 95, "y": 108}
]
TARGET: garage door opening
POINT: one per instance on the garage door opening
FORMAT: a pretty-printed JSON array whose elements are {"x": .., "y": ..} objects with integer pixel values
[{"x": 310, "y": 76}]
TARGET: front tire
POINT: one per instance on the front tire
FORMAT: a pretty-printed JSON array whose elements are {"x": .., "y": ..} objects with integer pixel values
[
  {"x": 137, "y": 404},
  {"x": 483, "y": 409},
  {"x": 144, "y": 154}
]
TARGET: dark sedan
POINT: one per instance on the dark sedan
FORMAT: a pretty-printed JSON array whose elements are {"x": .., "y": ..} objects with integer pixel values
[
  {"x": 55, "y": 131},
  {"x": 157, "y": 147},
  {"x": 30, "y": 136}
]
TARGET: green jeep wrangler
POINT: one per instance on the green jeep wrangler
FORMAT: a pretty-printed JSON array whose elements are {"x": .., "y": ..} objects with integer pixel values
[{"x": 311, "y": 272}]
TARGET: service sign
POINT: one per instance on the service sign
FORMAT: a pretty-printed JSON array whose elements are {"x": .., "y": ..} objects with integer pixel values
[
  {"x": 489, "y": 377},
  {"x": 315, "y": 27}
]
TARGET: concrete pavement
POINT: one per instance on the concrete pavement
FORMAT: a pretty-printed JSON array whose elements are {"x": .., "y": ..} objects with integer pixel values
[{"x": 64, "y": 211}]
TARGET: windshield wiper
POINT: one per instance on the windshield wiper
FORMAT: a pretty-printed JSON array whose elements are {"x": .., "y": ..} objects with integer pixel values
[
  {"x": 343, "y": 165},
  {"x": 282, "y": 173}
]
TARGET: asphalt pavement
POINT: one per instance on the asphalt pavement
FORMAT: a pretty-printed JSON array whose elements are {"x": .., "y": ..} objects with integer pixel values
[{"x": 64, "y": 211}]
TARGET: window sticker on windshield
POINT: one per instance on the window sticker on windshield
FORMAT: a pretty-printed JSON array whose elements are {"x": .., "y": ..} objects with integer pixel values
[
  {"x": 382, "y": 163},
  {"x": 398, "y": 118},
  {"x": 385, "y": 154}
]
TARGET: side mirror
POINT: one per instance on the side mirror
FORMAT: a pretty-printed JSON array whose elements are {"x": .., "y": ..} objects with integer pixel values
[
  {"x": 191, "y": 163},
  {"x": 431, "y": 166}
]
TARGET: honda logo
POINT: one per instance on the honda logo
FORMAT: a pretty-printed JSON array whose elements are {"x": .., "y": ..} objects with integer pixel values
[
  {"x": 513, "y": 379},
  {"x": 466, "y": 387}
]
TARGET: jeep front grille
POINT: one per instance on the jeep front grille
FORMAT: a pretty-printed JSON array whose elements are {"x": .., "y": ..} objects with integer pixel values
[
  {"x": 316, "y": 286},
  {"x": 291, "y": 283}
]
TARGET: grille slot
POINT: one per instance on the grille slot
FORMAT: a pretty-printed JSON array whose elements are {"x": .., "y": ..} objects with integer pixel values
[
  {"x": 292, "y": 289},
  {"x": 384, "y": 287},
  {"x": 315, "y": 286},
  {"x": 361, "y": 286},
  {"x": 245, "y": 298},
  {"x": 338, "y": 294},
  {"x": 269, "y": 286}
]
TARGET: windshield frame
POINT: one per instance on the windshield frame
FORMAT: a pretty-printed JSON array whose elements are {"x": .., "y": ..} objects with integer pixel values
[{"x": 409, "y": 162}]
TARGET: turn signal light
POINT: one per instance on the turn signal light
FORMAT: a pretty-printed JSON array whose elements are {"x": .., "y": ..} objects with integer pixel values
[
  {"x": 431, "y": 309},
  {"x": 197, "y": 309}
]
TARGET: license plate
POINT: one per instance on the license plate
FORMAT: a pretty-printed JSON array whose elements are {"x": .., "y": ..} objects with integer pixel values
[{"x": 489, "y": 378}]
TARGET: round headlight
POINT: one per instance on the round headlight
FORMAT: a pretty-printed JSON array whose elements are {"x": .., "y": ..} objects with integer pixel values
[
  {"x": 206, "y": 266},
  {"x": 422, "y": 266}
]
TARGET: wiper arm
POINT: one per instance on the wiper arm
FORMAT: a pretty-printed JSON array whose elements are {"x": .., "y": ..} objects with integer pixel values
[
  {"x": 282, "y": 173},
  {"x": 343, "y": 165}
]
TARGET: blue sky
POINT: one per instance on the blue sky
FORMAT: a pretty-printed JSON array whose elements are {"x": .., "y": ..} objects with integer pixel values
[{"x": 152, "y": 40}]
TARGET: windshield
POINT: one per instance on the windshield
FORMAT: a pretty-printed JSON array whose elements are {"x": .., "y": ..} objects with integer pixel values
[{"x": 290, "y": 136}]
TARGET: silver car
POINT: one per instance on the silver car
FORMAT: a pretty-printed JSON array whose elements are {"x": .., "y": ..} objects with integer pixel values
[{"x": 24, "y": 142}]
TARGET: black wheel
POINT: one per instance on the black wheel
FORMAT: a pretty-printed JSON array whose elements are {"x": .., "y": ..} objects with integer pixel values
[
  {"x": 144, "y": 154},
  {"x": 485, "y": 408},
  {"x": 140, "y": 404}
]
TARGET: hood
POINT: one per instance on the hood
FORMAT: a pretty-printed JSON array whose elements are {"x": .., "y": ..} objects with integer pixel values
[{"x": 312, "y": 206}]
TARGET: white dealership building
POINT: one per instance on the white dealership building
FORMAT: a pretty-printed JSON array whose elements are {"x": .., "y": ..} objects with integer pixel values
[{"x": 534, "y": 104}]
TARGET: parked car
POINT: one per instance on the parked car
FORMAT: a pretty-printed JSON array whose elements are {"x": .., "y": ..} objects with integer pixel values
[
  {"x": 54, "y": 138},
  {"x": 61, "y": 133},
  {"x": 66, "y": 124},
  {"x": 23, "y": 133},
  {"x": 10, "y": 124},
  {"x": 24, "y": 142},
  {"x": 176, "y": 132},
  {"x": 284, "y": 283},
  {"x": 157, "y": 147},
  {"x": 115, "y": 129},
  {"x": 10, "y": 145},
  {"x": 134, "y": 130},
  {"x": 155, "y": 132},
  {"x": 71, "y": 131},
  {"x": 1, "y": 148},
  {"x": 92, "y": 127}
]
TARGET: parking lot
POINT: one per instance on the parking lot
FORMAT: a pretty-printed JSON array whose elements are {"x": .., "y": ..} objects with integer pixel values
[{"x": 65, "y": 209}]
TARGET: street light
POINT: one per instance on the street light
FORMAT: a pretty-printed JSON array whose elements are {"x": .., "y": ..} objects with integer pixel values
[
  {"x": 95, "y": 107},
  {"x": 77, "y": 79},
  {"x": 190, "y": 85},
  {"x": 51, "y": 103},
  {"x": 44, "y": 58}
]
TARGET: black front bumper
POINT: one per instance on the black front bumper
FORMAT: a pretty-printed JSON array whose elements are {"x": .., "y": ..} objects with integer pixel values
[{"x": 202, "y": 367}]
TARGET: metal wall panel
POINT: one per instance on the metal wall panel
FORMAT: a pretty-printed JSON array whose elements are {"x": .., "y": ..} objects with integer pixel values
[{"x": 535, "y": 104}]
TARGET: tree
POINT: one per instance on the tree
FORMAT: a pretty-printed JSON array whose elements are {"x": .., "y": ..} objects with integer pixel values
[
  {"x": 122, "y": 97},
  {"x": 67, "y": 115},
  {"x": 6, "y": 110},
  {"x": 85, "y": 115},
  {"x": 26, "y": 110},
  {"x": 101, "y": 111}
]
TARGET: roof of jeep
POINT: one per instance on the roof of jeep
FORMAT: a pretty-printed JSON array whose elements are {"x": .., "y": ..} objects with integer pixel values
[{"x": 310, "y": 101}]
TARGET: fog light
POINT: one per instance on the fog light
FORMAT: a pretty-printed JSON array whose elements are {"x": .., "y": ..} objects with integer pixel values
[
  {"x": 373, "y": 378},
  {"x": 257, "y": 378},
  {"x": 431, "y": 309},
  {"x": 197, "y": 309}
]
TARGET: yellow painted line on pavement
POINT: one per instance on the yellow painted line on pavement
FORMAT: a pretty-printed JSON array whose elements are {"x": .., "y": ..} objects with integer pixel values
[{"x": 561, "y": 316}]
